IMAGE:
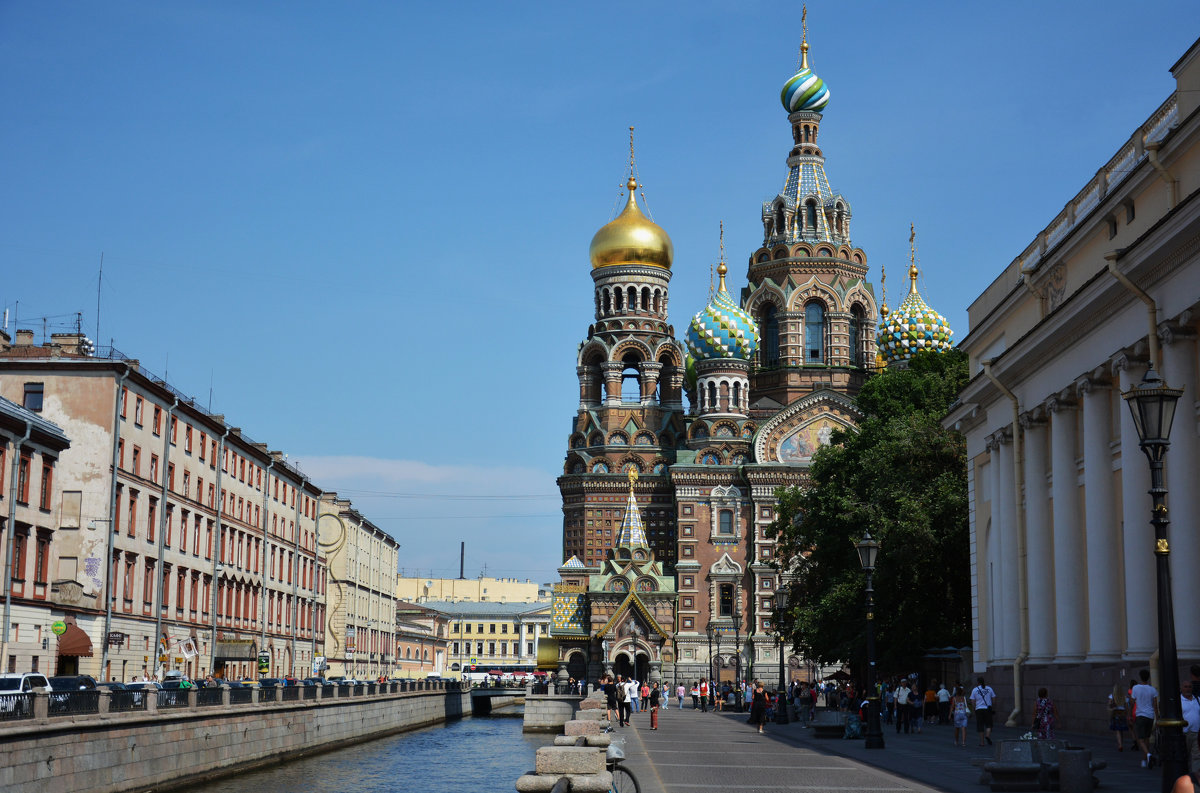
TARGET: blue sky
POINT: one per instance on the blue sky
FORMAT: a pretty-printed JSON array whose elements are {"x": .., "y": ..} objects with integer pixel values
[{"x": 366, "y": 225}]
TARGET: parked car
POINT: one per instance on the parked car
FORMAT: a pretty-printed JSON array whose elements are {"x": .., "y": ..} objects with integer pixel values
[
  {"x": 248, "y": 683},
  {"x": 318, "y": 681},
  {"x": 73, "y": 683},
  {"x": 139, "y": 689},
  {"x": 13, "y": 685}
]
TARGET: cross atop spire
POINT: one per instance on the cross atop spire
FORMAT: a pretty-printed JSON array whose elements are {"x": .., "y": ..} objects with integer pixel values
[{"x": 803, "y": 38}]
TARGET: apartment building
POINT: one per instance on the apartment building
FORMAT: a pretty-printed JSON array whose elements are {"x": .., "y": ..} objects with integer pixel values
[{"x": 197, "y": 546}]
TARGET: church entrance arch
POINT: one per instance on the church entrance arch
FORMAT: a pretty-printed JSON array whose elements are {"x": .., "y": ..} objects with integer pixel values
[
  {"x": 577, "y": 666},
  {"x": 625, "y": 666}
]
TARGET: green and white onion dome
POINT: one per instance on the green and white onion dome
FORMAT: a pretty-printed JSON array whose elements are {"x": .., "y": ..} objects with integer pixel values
[
  {"x": 722, "y": 329},
  {"x": 804, "y": 91},
  {"x": 912, "y": 327}
]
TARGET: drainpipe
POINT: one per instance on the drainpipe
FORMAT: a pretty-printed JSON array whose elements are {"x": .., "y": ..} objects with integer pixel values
[
  {"x": 262, "y": 594},
  {"x": 216, "y": 552},
  {"x": 162, "y": 535},
  {"x": 1014, "y": 718},
  {"x": 112, "y": 524},
  {"x": 1151, "y": 309},
  {"x": 1172, "y": 183},
  {"x": 8, "y": 534}
]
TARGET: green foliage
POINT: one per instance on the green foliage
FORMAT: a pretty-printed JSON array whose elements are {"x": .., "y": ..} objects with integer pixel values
[{"x": 904, "y": 478}]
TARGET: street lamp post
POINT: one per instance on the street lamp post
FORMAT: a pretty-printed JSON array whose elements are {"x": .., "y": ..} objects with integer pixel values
[
  {"x": 737, "y": 646},
  {"x": 781, "y": 601},
  {"x": 868, "y": 549},
  {"x": 1152, "y": 404},
  {"x": 711, "y": 631}
]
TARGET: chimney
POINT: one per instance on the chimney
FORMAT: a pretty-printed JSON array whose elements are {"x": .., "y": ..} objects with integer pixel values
[
  {"x": 69, "y": 343},
  {"x": 24, "y": 338}
]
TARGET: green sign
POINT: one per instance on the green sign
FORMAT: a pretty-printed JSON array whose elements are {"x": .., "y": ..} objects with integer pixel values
[{"x": 59, "y": 628}]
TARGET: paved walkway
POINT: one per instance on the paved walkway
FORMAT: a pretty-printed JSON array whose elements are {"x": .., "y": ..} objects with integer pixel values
[{"x": 694, "y": 752}]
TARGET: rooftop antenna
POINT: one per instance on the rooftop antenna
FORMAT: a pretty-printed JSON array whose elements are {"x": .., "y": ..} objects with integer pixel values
[
  {"x": 210, "y": 382},
  {"x": 99, "y": 283}
]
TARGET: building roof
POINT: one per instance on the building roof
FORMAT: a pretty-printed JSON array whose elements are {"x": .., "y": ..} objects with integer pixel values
[
  {"x": 42, "y": 432},
  {"x": 488, "y": 609}
]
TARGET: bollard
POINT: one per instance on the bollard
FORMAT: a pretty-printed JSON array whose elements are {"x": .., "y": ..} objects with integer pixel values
[{"x": 1075, "y": 770}]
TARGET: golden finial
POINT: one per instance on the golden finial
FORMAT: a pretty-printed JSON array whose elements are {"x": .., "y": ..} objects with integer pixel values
[
  {"x": 721, "y": 268},
  {"x": 633, "y": 477},
  {"x": 804, "y": 38},
  {"x": 912, "y": 257}
]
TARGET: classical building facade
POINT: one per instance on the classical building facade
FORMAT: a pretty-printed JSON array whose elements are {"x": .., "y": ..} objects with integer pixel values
[
  {"x": 486, "y": 636},
  {"x": 41, "y": 541},
  {"x": 360, "y": 602},
  {"x": 1063, "y": 573},
  {"x": 767, "y": 377},
  {"x": 185, "y": 543},
  {"x": 422, "y": 646}
]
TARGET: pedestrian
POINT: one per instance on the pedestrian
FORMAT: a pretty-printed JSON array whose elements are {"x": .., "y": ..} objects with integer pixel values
[
  {"x": 1145, "y": 703},
  {"x": 889, "y": 703},
  {"x": 943, "y": 704},
  {"x": 902, "y": 709},
  {"x": 695, "y": 695},
  {"x": 634, "y": 689},
  {"x": 631, "y": 692},
  {"x": 680, "y": 691},
  {"x": 654, "y": 702},
  {"x": 918, "y": 702},
  {"x": 1044, "y": 715},
  {"x": 959, "y": 712},
  {"x": 610, "y": 696},
  {"x": 703, "y": 695},
  {"x": 758, "y": 706},
  {"x": 1191, "y": 715},
  {"x": 665, "y": 696},
  {"x": 983, "y": 702},
  {"x": 1118, "y": 718},
  {"x": 804, "y": 704}
]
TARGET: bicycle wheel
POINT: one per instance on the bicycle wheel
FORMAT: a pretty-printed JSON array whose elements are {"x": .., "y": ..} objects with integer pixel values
[{"x": 624, "y": 781}]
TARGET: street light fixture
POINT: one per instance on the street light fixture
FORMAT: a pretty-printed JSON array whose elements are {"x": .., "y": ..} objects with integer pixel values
[
  {"x": 1152, "y": 404},
  {"x": 868, "y": 550},
  {"x": 737, "y": 646},
  {"x": 711, "y": 631},
  {"x": 781, "y": 601}
]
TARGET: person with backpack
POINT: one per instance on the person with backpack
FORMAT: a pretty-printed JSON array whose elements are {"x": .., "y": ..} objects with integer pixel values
[
  {"x": 983, "y": 701},
  {"x": 622, "y": 702}
]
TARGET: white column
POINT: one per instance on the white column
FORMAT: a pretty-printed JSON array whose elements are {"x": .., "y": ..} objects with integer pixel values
[
  {"x": 994, "y": 561},
  {"x": 1070, "y": 595},
  {"x": 1141, "y": 599},
  {"x": 1010, "y": 608},
  {"x": 1103, "y": 597},
  {"x": 1039, "y": 541},
  {"x": 1183, "y": 496}
]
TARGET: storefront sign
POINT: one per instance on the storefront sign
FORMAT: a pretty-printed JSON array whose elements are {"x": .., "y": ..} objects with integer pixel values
[
  {"x": 59, "y": 627},
  {"x": 116, "y": 639}
]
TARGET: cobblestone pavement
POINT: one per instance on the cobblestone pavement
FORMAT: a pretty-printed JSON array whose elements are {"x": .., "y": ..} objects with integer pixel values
[{"x": 702, "y": 752}]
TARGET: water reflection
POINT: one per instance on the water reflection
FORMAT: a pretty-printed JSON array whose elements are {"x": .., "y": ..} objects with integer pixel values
[{"x": 472, "y": 754}]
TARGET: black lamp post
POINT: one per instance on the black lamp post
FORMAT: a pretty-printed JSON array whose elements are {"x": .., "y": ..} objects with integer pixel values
[
  {"x": 1152, "y": 404},
  {"x": 737, "y": 646},
  {"x": 868, "y": 549},
  {"x": 711, "y": 631},
  {"x": 781, "y": 601}
]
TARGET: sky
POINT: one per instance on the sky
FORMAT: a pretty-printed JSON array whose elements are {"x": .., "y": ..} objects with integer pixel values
[{"x": 360, "y": 230}]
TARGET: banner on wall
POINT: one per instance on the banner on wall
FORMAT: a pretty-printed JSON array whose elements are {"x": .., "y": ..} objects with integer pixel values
[{"x": 350, "y": 639}]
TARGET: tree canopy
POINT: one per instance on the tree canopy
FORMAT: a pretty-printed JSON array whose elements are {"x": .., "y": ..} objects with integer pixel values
[{"x": 903, "y": 477}]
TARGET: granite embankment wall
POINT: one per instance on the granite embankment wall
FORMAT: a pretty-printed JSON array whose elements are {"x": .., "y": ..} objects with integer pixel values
[{"x": 144, "y": 751}]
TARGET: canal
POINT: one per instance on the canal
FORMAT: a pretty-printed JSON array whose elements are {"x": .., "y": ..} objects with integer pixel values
[{"x": 470, "y": 754}]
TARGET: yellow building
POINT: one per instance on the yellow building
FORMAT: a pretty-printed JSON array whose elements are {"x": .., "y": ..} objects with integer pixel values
[
  {"x": 494, "y": 636},
  {"x": 416, "y": 589}
]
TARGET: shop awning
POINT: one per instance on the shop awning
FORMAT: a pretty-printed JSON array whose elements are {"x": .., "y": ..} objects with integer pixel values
[{"x": 74, "y": 642}]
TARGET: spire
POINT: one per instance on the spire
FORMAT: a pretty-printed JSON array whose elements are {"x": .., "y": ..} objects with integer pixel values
[
  {"x": 803, "y": 39},
  {"x": 912, "y": 258},
  {"x": 721, "y": 268},
  {"x": 632, "y": 532}
]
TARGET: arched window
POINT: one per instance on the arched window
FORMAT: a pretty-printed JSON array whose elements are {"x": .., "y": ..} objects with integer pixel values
[
  {"x": 607, "y": 303},
  {"x": 810, "y": 215},
  {"x": 769, "y": 327},
  {"x": 779, "y": 224},
  {"x": 814, "y": 332},
  {"x": 633, "y": 298},
  {"x": 841, "y": 220},
  {"x": 856, "y": 328},
  {"x": 657, "y": 301},
  {"x": 712, "y": 396},
  {"x": 737, "y": 395},
  {"x": 631, "y": 383},
  {"x": 725, "y": 521},
  {"x": 618, "y": 299},
  {"x": 725, "y": 600},
  {"x": 645, "y": 299}
]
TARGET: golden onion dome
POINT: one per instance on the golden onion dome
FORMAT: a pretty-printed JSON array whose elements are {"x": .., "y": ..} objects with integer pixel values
[{"x": 631, "y": 238}]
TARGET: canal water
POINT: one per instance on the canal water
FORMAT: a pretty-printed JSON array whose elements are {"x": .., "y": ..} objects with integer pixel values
[{"x": 485, "y": 753}]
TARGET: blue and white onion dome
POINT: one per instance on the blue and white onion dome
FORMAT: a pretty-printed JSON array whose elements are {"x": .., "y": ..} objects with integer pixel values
[
  {"x": 804, "y": 91},
  {"x": 912, "y": 327},
  {"x": 722, "y": 329}
]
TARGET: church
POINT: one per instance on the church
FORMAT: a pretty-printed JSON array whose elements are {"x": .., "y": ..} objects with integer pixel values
[{"x": 668, "y": 571}]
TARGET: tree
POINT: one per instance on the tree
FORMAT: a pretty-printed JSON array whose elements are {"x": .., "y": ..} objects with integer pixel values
[{"x": 904, "y": 477}]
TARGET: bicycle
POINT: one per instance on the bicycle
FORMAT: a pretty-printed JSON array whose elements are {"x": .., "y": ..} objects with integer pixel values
[{"x": 623, "y": 780}]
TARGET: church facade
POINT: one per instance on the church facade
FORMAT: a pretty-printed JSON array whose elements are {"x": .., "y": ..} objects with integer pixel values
[{"x": 669, "y": 571}]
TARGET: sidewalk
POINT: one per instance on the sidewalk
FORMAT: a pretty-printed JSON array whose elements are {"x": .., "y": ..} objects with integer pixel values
[{"x": 694, "y": 752}]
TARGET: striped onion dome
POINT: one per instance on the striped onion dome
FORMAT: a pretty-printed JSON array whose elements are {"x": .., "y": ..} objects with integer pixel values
[
  {"x": 804, "y": 91},
  {"x": 912, "y": 327},
  {"x": 722, "y": 329}
]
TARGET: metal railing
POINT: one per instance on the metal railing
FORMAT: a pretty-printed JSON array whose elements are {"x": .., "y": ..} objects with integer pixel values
[
  {"x": 206, "y": 697},
  {"x": 172, "y": 698},
  {"x": 69, "y": 703},
  {"x": 291, "y": 694},
  {"x": 310, "y": 692},
  {"x": 16, "y": 706},
  {"x": 126, "y": 701},
  {"x": 240, "y": 696}
]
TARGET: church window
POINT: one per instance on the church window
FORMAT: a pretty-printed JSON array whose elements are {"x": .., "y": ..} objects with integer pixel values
[
  {"x": 725, "y": 520},
  {"x": 657, "y": 301},
  {"x": 779, "y": 223},
  {"x": 737, "y": 395},
  {"x": 856, "y": 326},
  {"x": 814, "y": 332},
  {"x": 607, "y": 303},
  {"x": 810, "y": 215},
  {"x": 618, "y": 299},
  {"x": 632, "y": 298},
  {"x": 645, "y": 299},
  {"x": 841, "y": 220},
  {"x": 712, "y": 396},
  {"x": 725, "y": 600},
  {"x": 770, "y": 336}
]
